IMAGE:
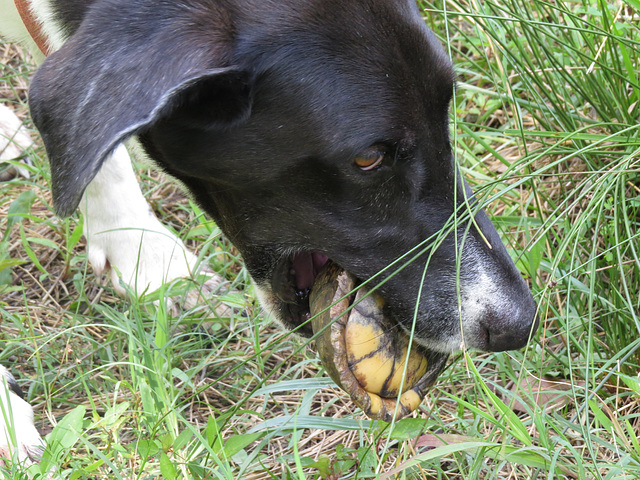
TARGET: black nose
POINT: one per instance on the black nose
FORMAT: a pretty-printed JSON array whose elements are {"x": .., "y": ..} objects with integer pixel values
[
  {"x": 511, "y": 329},
  {"x": 500, "y": 340}
]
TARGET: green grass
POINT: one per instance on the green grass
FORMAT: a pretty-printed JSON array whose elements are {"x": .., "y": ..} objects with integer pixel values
[{"x": 545, "y": 124}]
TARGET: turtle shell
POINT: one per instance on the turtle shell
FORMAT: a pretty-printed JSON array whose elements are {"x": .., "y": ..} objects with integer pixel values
[{"x": 366, "y": 354}]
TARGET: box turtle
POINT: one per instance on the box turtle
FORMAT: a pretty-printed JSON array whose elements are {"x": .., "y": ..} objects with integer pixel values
[{"x": 364, "y": 352}]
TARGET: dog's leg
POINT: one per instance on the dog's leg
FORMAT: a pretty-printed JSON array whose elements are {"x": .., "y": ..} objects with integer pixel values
[
  {"x": 14, "y": 141},
  {"x": 122, "y": 233},
  {"x": 125, "y": 237},
  {"x": 19, "y": 439}
]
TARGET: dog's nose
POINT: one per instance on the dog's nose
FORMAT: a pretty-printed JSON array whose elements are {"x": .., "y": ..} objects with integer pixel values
[
  {"x": 512, "y": 329},
  {"x": 503, "y": 339}
]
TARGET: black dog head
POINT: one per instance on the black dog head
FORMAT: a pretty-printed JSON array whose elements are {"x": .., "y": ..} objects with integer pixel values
[{"x": 309, "y": 131}]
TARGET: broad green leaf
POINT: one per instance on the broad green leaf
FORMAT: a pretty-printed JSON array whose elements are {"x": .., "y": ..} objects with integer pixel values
[
  {"x": 18, "y": 210},
  {"x": 238, "y": 442},
  {"x": 408, "y": 428},
  {"x": 167, "y": 468}
]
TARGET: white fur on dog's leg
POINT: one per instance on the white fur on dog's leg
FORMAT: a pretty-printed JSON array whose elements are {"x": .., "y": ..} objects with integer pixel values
[
  {"x": 124, "y": 235},
  {"x": 16, "y": 415},
  {"x": 14, "y": 140}
]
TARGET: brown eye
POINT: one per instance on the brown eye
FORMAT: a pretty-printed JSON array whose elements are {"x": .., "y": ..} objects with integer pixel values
[{"x": 370, "y": 159}]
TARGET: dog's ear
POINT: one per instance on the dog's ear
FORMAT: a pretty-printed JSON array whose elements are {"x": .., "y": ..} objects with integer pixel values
[{"x": 112, "y": 79}]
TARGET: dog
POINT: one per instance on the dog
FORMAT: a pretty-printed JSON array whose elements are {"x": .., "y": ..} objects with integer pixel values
[
  {"x": 309, "y": 131},
  {"x": 16, "y": 415}
]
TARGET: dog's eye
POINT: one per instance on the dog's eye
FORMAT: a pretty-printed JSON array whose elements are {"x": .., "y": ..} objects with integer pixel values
[{"x": 370, "y": 159}]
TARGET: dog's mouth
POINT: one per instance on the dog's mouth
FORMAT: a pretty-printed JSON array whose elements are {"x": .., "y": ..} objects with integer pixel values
[
  {"x": 293, "y": 280},
  {"x": 361, "y": 349}
]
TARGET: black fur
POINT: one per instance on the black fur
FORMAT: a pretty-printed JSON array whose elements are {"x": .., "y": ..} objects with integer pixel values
[
  {"x": 11, "y": 382},
  {"x": 259, "y": 107}
]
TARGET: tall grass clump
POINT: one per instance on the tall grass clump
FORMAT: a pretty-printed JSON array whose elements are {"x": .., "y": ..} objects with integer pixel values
[
  {"x": 545, "y": 128},
  {"x": 547, "y": 124}
]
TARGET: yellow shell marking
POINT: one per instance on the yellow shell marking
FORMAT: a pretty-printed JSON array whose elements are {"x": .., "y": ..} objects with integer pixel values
[
  {"x": 410, "y": 400},
  {"x": 377, "y": 366},
  {"x": 362, "y": 340},
  {"x": 369, "y": 366},
  {"x": 417, "y": 367},
  {"x": 376, "y": 403}
]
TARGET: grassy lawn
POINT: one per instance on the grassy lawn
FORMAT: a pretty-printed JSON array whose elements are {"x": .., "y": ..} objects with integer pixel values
[{"x": 545, "y": 127}]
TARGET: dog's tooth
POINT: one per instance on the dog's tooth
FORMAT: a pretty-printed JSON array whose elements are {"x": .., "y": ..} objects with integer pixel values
[{"x": 303, "y": 294}]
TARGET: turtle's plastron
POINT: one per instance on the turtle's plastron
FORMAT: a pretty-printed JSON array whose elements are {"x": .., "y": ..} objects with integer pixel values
[{"x": 368, "y": 356}]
